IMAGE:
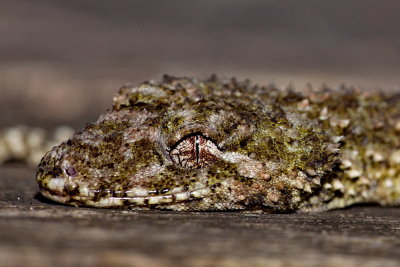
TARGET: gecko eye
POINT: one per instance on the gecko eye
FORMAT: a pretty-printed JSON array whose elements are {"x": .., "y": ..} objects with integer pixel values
[
  {"x": 70, "y": 171},
  {"x": 194, "y": 151}
]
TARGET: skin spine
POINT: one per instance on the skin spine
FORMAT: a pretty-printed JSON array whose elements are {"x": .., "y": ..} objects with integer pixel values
[{"x": 220, "y": 144}]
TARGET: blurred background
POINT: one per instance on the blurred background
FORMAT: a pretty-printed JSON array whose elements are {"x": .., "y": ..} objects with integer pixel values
[{"x": 62, "y": 61}]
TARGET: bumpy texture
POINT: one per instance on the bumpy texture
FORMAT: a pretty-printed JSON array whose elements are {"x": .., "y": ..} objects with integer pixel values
[{"x": 220, "y": 144}]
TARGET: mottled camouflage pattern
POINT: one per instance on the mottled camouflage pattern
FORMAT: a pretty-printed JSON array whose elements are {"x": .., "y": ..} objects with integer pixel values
[{"x": 272, "y": 150}]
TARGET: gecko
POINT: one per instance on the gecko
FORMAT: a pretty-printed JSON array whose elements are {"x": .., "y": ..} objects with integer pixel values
[{"x": 187, "y": 144}]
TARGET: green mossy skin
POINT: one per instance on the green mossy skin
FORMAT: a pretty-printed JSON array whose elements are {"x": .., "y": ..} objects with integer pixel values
[{"x": 279, "y": 150}]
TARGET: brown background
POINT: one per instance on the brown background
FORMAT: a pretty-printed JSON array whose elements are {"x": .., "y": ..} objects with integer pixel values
[
  {"x": 62, "y": 61},
  {"x": 66, "y": 59}
]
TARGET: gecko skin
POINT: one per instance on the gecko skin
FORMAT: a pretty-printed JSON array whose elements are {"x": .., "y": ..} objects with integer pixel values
[{"x": 189, "y": 145}]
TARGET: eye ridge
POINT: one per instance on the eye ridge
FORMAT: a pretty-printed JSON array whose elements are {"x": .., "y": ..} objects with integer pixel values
[{"x": 194, "y": 151}]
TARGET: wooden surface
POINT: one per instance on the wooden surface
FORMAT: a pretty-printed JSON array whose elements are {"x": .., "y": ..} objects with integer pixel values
[{"x": 35, "y": 232}]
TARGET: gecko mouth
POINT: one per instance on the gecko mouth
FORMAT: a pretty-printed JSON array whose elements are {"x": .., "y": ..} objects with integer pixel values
[{"x": 109, "y": 198}]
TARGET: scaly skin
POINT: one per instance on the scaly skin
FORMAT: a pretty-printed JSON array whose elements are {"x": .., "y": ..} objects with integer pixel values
[{"x": 220, "y": 144}]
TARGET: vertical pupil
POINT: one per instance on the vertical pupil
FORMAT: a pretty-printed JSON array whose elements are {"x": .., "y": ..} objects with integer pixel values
[
  {"x": 194, "y": 151},
  {"x": 197, "y": 149}
]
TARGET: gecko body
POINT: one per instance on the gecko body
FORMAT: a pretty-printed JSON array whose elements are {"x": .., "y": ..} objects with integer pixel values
[{"x": 220, "y": 144}]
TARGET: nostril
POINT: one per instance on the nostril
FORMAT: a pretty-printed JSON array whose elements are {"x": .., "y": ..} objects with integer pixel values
[
  {"x": 70, "y": 171},
  {"x": 39, "y": 174}
]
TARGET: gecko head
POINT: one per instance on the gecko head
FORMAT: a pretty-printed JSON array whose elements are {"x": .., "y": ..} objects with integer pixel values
[{"x": 185, "y": 144}]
